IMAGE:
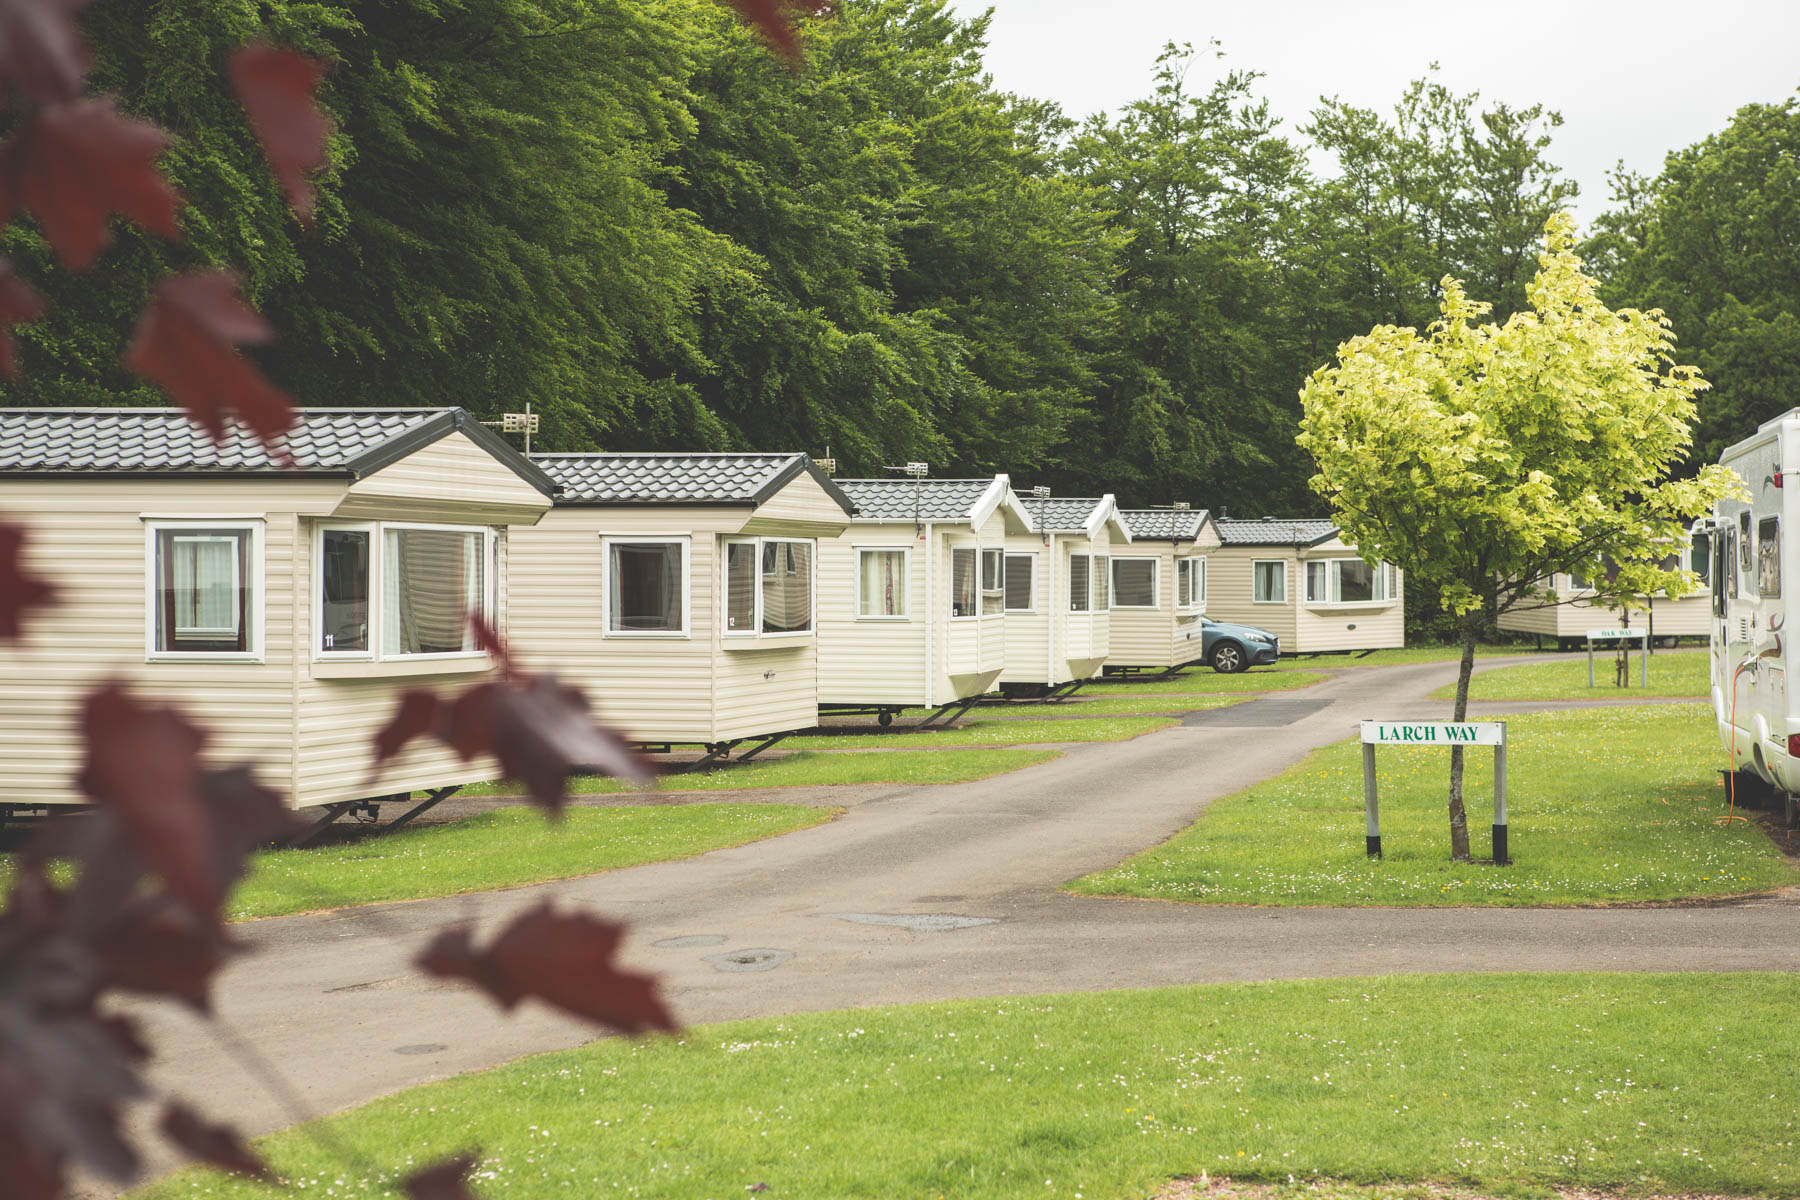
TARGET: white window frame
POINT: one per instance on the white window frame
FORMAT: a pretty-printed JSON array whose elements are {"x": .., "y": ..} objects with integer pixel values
[
  {"x": 377, "y": 552},
  {"x": 1087, "y": 587},
  {"x": 490, "y": 586},
  {"x": 982, "y": 590},
  {"x": 756, "y": 633},
  {"x": 1104, "y": 577},
  {"x": 685, "y": 541},
  {"x": 1196, "y": 564},
  {"x": 905, "y": 613},
  {"x": 254, "y": 636},
  {"x": 1155, "y": 580},
  {"x": 1030, "y": 579},
  {"x": 1384, "y": 576},
  {"x": 950, "y": 582},
  {"x": 1280, "y": 562}
]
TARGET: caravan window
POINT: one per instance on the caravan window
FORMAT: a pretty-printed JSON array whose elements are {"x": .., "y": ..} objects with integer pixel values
[
  {"x": 993, "y": 581},
  {"x": 1021, "y": 571},
  {"x": 432, "y": 581},
  {"x": 962, "y": 582},
  {"x": 1350, "y": 581},
  {"x": 1190, "y": 583},
  {"x": 768, "y": 587},
  {"x": 1102, "y": 583},
  {"x": 646, "y": 584},
  {"x": 1080, "y": 600},
  {"x": 1768, "y": 557},
  {"x": 204, "y": 593},
  {"x": 881, "y": 579},
  {"x": 1134, "y": 582},
  {"x": 1269, "y": 584}
]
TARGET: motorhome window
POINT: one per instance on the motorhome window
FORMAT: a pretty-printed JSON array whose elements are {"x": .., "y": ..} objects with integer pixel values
[
  {"x": 881, "y": 583},
  {"x": 1744, "y": 542},
  {"x": 432, "y": 581},
  {"x": 740, "y": 587},
  {"x": 1768, "y": 557},
  {"x": 1079, "y": 598},
  {"x": 645, "y": 582},
  {"x": 1727, "y": 556},
  {"x": 962, "y": 582},
  {"x": 993, "y": 581},
  {"x": 1102, "y": 578},
  {"x": 1700, "y": 558},
  {"x": 203, "y": 598},
  {"x": 1269, "y": 584},
  {"x": 1021, "y": 570},
  {"x": 787, "y": 590},
  {"x": 1134, "y": 582}
]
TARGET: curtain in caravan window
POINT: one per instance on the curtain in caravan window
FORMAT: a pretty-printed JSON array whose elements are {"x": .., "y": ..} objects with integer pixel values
[
  {"x": 203, "y": 591},
  {"x": 1102, "y": 583},
  {"x": 1184, "y": 582},
  {"x": 740, "y": 587},
  {"x": 645, "y": 586},
  {"x": 787, "y": 587},
  {"x": 1021, "y": 570},
  {"x": 1134, "y": 582},
  {"x": 432, "y": 580},
  {"x": 1269, "y": 581},
  {"x": 962, "y": 583},
  {"x": 1079, "y": 597},
  {"x": 881, "y": 583}
]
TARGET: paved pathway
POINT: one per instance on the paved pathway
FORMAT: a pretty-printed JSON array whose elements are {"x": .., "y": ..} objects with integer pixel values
[{"x": 332, "y": 1002}]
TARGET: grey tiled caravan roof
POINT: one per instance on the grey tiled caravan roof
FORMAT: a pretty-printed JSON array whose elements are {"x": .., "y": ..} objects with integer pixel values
[
  {"x": 1060, "y": 514},
  {"x": 1163, "y": 524},
  {"x": 725, "y": 479},
  {"x": 164, "y": 441},
  {"x": 1276, "y": 531},
  {"x": 908, "y": 499}
]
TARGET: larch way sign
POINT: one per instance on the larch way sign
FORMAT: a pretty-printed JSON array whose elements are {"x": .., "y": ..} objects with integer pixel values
[{"x": 1434, "y": 733}]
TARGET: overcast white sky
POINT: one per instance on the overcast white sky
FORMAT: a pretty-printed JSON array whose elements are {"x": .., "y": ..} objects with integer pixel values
[{"x": 1632, "y": 78}]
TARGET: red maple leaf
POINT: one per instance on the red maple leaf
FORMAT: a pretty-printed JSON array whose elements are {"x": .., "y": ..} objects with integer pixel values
[
  {"x": 19, "y": 303},
  {"x": 564, "y": 959},
  {"x": 276, "y": 87},
  {"x": 19, "y": 592},
  {"x": 444, "y": 1180},
  {"x": 42, "y": 56},
  {"x": 187, "y": 342},
  {"x": 162, "y": 948},
  {"x": 74, "y": 163},
  {"x": 216, "y": 1145},
  {"x": 767, "y": 16}
]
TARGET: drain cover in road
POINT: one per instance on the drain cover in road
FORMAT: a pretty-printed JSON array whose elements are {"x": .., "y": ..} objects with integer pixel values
[
  {"x": 917, "y": 922},
  {"x": 759, "y": 959},
  {"x": 1257, "y": 714}
]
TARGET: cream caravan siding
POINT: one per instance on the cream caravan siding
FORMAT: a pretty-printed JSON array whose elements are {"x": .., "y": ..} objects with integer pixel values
[
  {"x": 800, "y": 508},
  {"x": 1028, "y": 634},
  {"x": 1690, "y": 616},
  {"x": 1345, "y": 626},
  {"x": 1228, "y": 590},
  {"x": 88, "y": 537},
  {"x": 1083, "y": 638},
  {"x": 1159, "y": 637},
  {"x": 990, "y": 651},
  {"x": 445, "y": 481},
  {"x": 649, "y": 688},
  {"x": 870, "y": 661},
  {"x": 770, "y": 689}
]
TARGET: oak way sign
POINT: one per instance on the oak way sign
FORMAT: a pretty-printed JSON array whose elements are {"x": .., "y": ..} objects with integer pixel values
[
  {"x": 1434, "y": 733},
  {"x": 1623, "y": 634}
]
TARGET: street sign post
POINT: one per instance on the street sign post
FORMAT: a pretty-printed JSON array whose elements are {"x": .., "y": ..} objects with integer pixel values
[
  {"x": 1433, "y": 733},
  {"x": 1615, "y": 635}
]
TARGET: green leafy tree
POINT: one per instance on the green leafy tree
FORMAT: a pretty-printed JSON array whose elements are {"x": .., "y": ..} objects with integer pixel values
[{"x": 1483, "y": 458}]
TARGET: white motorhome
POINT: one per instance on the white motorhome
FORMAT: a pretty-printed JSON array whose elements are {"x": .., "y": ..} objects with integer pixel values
[{"x": 1752, "y": 652}]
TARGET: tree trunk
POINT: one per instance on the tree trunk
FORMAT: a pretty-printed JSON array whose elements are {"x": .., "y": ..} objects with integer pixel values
[{"x": 1459, "y": 816}]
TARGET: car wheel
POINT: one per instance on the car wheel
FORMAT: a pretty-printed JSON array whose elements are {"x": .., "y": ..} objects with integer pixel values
[{"x": 1228, "y": 658}]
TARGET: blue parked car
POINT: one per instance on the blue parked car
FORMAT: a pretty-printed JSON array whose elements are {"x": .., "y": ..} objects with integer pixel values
[{"x": 1229, "y": 649}]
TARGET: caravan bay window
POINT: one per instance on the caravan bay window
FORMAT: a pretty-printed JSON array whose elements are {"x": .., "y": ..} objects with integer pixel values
[
  {"x": 768, "y": 586},
  {"x": 1080, "y": 599},
  {"x": 205, "y": 590},
  {"x": 430, "y": 580},
  {"x": 1349, "y": 581},
  {"x": 1102, "y": 583},
  {"x": 993, "y": 586},
  {"x": 962, "y": 582},
  {"x": 646, "y": 587},
  {"x": 881, "y": 583},
  {"x": 1190, "y": 582}
]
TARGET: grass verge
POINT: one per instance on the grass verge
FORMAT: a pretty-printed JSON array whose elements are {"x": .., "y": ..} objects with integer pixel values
[
  {"x": 1401, "y": 657},
  {"x": 990, "y": 733},
  {"x": 1604, "y": 805},
  {"x": 1079, "y": 707},
  {"x": 813, "y": 770},
  {"x": 1205, "y": 681},
  {"x": 1672, "y": 674},
  {"x": 1516, "y": 1083},
  {"x": 506, "y": 848}
]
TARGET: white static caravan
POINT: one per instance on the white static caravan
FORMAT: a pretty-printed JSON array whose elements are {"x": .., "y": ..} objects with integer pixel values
[
  {"x": 1570, "y": 616},
  {"x": 1159, "y": 589},
  {"x": 1059, "y": 594},
  {"x": 1753, "y": 574},
  {"x": 678, "y": 591},
  {"x": 1298, "y": 580},
  {"x": 912, "y": 596},
  {"x": 282, "y": 609}
]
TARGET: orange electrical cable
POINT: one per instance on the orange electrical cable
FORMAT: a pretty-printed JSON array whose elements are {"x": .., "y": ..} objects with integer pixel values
[{"x": 1731, "y": 775}]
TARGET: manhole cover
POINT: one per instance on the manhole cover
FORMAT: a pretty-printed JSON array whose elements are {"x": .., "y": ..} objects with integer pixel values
[
  {"x": 1257, "y": 714},
  {"x": 759, "y": 959},
  {"x": 917, "y": 922},
  {"x": 421, "y": 1048},
  {"x": 689, "y": 940}
]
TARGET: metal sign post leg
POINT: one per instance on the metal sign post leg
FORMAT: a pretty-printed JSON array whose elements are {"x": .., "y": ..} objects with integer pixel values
[
  {"x": 1644, "y": 671},
  {"x": 1501, "y": 858},
  {"x": 1370, "y": 802},
  {"x": 1590, "y": 662}
]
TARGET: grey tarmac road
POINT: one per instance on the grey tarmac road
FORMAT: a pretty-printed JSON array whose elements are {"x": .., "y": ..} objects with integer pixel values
[{"x": 806, "y": 921}]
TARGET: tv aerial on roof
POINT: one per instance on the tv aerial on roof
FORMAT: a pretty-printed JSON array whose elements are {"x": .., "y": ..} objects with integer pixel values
[{"x": 517, "y": 422}]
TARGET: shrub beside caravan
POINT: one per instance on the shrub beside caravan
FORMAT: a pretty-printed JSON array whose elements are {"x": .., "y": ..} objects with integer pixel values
[
  {"x": 912, "y": 596},
  {"x": 1753, "y": 652},
  {"x": 679, "y": 591},
  {"x": 1297, "y": 579},
  {"x": 1159, "y": 589},
  {"x": 283, "y": 608},
  {"x": 1058, "y": 596}
]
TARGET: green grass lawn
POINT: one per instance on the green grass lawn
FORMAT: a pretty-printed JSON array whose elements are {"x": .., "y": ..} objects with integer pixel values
[
  {"x": 506, "y": 848},
  {"x": 1079, "y": 706},
  {"x": 814, "y": 770},
  {"x": 1672, "y": 673},
  {"x": 989, "y": 733},
  {"x": 1205, "y": 681},
  {"x": 1514, "y": 1083},
  {"x": 1603, "y": 805}
]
